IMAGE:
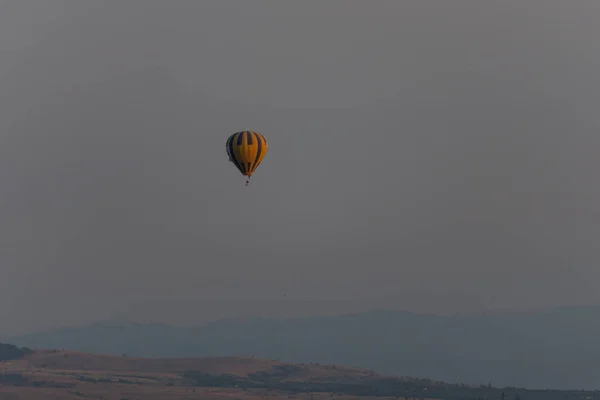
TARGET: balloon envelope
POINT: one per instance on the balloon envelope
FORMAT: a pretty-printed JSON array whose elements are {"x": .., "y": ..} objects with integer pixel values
[{"x": 246, "y": 150}]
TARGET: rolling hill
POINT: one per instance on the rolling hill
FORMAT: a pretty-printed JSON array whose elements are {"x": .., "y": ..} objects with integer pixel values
[
  {"x": 69, "y": 375},
  {"x": 556, "y": 349}
]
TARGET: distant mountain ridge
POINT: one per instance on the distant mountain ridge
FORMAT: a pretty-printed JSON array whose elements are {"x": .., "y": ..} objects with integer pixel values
[{"x": 558, "y": 349}]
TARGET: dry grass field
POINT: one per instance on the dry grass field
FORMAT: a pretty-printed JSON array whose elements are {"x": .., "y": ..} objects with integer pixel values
[{"x": 69, "y": 375}]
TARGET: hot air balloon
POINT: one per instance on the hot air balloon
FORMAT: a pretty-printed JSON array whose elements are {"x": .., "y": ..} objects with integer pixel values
[{"x": 246, "y": 150}]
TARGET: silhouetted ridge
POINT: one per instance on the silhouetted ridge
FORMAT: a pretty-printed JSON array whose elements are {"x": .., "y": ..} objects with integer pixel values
[{"x": 11, "y": 352}]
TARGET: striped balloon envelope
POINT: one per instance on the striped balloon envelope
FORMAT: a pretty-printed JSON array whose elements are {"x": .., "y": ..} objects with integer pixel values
[{"x": 246, "y": 150}]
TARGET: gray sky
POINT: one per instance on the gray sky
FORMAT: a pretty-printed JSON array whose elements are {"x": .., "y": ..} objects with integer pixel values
[{"x": 435, "y": 156}]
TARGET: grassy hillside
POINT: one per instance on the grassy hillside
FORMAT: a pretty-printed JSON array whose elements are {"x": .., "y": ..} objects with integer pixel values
[
  {"x": 57, "y": 374},
  {"x": 554, "y": 349}
]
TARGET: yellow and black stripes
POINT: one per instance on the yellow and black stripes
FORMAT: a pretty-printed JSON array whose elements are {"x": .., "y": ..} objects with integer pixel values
[{"x": 246, "y": 150}]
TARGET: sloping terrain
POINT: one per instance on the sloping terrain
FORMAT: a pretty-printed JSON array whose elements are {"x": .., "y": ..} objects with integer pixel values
[
  {"x": 68, "y": 375},
  {"x": 556, "y": 349},
  {"x": 56, "y": 374},
  {"x": 73, "y": 360}
]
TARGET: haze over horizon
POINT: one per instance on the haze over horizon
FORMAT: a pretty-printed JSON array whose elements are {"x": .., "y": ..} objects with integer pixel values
[{"x": 424, "y": 156}]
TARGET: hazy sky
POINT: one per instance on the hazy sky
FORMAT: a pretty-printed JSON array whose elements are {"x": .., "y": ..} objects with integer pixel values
[{"x": 438, "y": 156}]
